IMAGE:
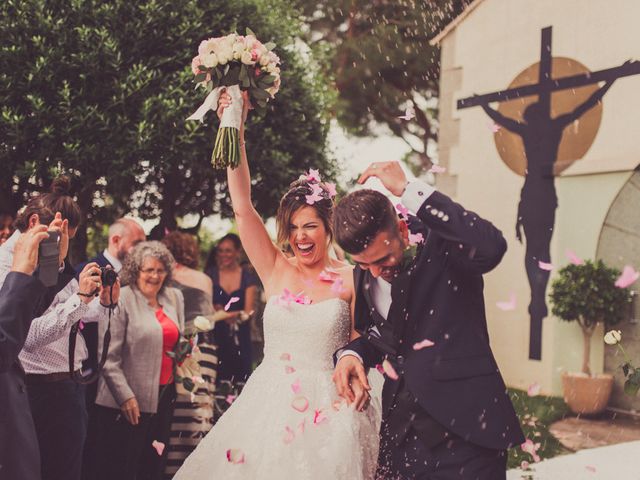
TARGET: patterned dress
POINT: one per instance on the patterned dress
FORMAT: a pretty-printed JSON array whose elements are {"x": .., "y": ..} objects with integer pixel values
[{"x": 194, "y": 417}]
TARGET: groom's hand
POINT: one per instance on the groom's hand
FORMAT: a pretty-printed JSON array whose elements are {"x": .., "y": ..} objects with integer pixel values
[
  {"x": 349, "y": 366},
  {"x": 389, "y": 173},
  {"x": 362, "y": 394}
]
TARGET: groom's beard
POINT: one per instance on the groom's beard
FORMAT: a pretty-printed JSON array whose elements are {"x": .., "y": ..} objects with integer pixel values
[{"x": 389, "y": 274}]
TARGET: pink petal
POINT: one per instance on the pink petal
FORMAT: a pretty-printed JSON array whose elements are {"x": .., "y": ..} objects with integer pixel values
[
  {"x": 402, "y": 210},
  {"x": 628, "y": 277},
  {"x": 337, "y": 287},
  {"x": 331, "y": 189},
  {"x": 159, "y": 446},
  {"x": 313, "y": 198},
  {"x": 326, "y": 276},
  {"x": 300, "y": 403},
  {"x": 235, "y": 456},
  {"x": 508, "y": 305},
  {"x": 289, "y": 369},
  {"x": 423, "y": 344},
  {"x": 573, "y": 258},
  {"x": 301, "y": 425},
  {"x": 81, "y": 325},
  {"x": 437, "y": 169},
  {"x": 380, "y": 369},
  {"x": 415, "y": 239},
  {"x": 319, "y": 417},
  {"x": 289, "y": 435},
  {"x": 295, "y": 386},
  {"x": 389, "y": 370},
  {"x": 231, "y": 301},
  {"x": 494, "y": 127},
  {"x": 313, "y": 175},
  {"x": 545, "y": 266},
  {"x": 230, "y": 399},
  {"x": 591, "y": 468},
  {"x": 534, "y": 389},
  {"x": 286, "y": 357},
  {"x": 409, "y": 113}
]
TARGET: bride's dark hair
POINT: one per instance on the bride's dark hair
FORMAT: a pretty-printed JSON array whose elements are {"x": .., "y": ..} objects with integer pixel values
[
  {"x": 46, "y": 204},
  {"x": 294, "y": 200}
]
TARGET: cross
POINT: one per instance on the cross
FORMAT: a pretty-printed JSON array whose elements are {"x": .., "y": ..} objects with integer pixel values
[
  {"x": 546, "y": 85},
  {"x": 541, "y": 135}
]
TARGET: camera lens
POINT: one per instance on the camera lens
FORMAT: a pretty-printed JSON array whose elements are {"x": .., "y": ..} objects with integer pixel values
[{"x": 108, "y": 276}]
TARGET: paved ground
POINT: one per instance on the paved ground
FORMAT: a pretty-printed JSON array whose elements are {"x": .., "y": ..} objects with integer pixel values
[
  {"x": 607, "y": 448},
  {"x": 613, "y": 462},
  {"x": 580, "y": 433}
]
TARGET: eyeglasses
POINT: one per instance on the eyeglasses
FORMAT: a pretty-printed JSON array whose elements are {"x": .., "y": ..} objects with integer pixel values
[{"x": 150, "y": 271}]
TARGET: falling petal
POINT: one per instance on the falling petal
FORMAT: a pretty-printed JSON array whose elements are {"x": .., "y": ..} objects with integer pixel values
[
  {"x": 534, "y": 389},
  {"x": 301, "y": 425},
  {"x": 627, "y": 278},
  {"x": 494, "y": 127},
  {"x": 300, "y": 403},
  {"x": 235, "y": 456},
  {"x": 289, "y": 369},
  {"x": 295, "y": 386},
  {"x": 331, "y": 189},
  {"x": 81, "y": 325},
  {"x": 423, "y": 344},
  {"x": 230, "y": 399},
  {"x": 319, "y": 417},
  {"x": 591, "y": 468},
  {"x": 508, "y": 305},
  {"x": 409, "y": 113},
  {"x": 545, "y": 266},
  {"x": 389, "y": 370},
  {"x": 159, "y": 446},
  {"x": 289, "y": 435},
  {"x": 437, "y": 169},
  {"x": 415, "y": 239},
  {"x": 231, "y": 301},
  {"x": 285, "y": 357},
  {"x": 573, "y": 258},
  {"x": 402, "y": 210}
]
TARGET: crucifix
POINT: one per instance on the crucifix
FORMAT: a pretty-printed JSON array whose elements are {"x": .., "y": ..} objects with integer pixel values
[{"x": 541, "y": 135}]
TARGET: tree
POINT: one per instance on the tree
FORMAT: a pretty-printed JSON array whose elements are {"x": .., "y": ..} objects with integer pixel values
[
  {"x": 587, "y": 294},
  {"x": 382, "y": 63},
  {"x": 101, "y": 90}
]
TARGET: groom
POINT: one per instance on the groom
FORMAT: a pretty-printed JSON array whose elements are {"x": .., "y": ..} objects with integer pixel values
[{"x": 446, "y": 413}]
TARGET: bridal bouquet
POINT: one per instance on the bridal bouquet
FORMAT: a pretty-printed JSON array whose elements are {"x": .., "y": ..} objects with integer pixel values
[{"x": 234, "y": 63}]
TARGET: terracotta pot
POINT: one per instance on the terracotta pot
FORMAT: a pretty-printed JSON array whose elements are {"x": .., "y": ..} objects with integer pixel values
[{"x": 587, "y": 395}]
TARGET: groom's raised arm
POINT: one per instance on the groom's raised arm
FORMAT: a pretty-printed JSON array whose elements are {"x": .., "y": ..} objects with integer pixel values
[{"x": 476, "y": 245}]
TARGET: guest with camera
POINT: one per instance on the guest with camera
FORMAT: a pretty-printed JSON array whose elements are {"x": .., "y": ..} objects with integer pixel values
[
  {"x": 19, "y": 453},
  {"x": 56, "y": 400},
  {"x": 136, "y": 391}
]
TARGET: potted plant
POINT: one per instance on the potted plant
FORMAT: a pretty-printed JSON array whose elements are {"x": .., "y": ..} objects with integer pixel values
[{"x": 587, "y": 294}]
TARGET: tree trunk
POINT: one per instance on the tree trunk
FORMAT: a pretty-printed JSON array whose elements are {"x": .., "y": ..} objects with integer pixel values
[{"x": 587, "y": 332}]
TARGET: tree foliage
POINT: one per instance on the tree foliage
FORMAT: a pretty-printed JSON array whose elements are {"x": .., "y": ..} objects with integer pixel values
[
  {"x": 379, "y": 55},
  {"x": 101, "y": 90}
]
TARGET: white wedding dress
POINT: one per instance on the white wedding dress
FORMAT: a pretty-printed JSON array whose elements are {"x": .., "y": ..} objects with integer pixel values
[{"x": 288, "y": 422}]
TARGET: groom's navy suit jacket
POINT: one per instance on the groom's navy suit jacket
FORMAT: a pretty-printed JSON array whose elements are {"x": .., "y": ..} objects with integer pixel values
[{"x": 440, "y": 297}]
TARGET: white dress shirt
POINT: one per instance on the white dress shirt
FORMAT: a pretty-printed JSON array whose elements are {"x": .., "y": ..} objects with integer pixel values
[
  {"x": 413, "y": 197},
  {"x": 115, "y": 263},
  {"x": 46, "y": 349}
]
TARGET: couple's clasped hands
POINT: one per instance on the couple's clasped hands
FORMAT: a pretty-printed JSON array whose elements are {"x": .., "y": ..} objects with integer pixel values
[{"x": 351, "y": 382}]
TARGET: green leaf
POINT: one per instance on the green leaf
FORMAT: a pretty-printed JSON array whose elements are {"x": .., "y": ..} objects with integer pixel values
[
  {"x": 625, "y": 369},
  {"x": 244, "y": 77},
  {"x": 269, "y": 46},
  {"x": 201, "y": 77},
  {"x": 631, "y": 388},
  {"x": 250, "y": 32},
  {"x": 202, "y": 68}
]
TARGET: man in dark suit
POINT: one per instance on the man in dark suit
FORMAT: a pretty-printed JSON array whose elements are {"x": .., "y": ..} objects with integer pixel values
[
  {"x": 20, "y": 295},
  {"x": 420, "y": 313}
]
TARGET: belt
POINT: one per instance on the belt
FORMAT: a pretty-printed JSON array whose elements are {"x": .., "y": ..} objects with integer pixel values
[{"x": 49, "y": 377}]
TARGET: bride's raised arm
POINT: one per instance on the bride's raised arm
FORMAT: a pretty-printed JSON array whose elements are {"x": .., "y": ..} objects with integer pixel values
[{"x": 261, "y": 251}]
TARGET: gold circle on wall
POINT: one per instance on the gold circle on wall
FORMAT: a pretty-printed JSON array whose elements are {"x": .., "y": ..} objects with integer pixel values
[{"x": 577, "y": 137}]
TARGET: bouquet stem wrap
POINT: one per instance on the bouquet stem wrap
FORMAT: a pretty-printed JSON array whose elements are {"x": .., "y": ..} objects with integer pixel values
[{"x": 226, "y": 150}]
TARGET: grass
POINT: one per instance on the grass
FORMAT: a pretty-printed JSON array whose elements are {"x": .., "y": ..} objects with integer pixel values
[{"x": 536, "y": 415}]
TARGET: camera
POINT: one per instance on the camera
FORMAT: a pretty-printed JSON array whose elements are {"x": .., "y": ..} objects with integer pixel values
[{"x": 108, "y": 276}]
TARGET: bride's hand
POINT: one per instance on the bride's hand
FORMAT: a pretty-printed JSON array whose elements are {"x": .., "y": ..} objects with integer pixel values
[
  {"x": 223, "y": 102},
  {"x": 349, "y": 367}
]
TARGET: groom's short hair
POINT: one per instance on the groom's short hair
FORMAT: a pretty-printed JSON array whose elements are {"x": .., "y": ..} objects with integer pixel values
[{"x": 360, "y": 216}]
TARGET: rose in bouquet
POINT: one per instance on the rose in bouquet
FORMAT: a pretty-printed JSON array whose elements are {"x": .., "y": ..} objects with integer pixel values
[{"x": 234, "y": 63}]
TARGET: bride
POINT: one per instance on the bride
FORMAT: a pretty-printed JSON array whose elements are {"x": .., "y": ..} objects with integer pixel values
[{"x": 289, "y": 421}]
